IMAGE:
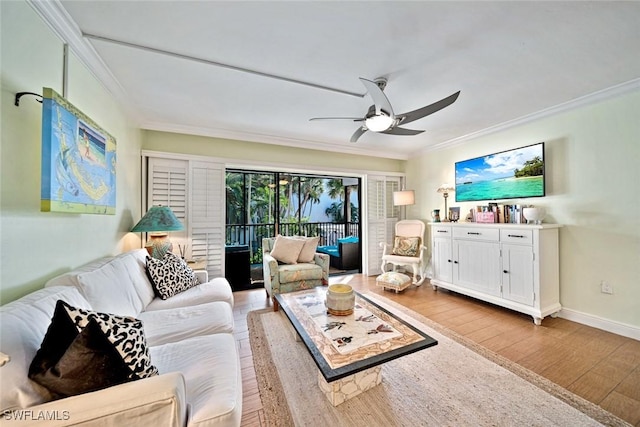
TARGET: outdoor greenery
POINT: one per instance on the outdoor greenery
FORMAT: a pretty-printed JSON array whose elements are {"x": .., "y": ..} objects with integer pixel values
[
  {"x": 533, "y": 167},
  {"x": 251, "y": 198}
]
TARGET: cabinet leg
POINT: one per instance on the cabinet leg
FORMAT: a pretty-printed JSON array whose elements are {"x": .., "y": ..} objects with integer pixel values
[
  {"x": 435, "y": 287},
  {"x": 537, "y": 320}
]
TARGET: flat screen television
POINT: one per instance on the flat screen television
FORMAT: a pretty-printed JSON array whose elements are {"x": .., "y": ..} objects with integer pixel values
[{"x": 511, "y": 174}]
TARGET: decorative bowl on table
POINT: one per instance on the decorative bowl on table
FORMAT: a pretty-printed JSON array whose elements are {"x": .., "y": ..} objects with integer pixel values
[
  {"x": 340, "y": 300},
  {"x": 534, "y": 215}
]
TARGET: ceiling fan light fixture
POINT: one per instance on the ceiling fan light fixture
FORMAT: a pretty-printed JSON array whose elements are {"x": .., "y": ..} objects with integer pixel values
[{"x": 379, "y": 123}]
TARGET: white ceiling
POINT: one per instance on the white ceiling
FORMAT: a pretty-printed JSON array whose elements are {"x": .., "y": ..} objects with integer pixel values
[{"x": 510, "y": 60}]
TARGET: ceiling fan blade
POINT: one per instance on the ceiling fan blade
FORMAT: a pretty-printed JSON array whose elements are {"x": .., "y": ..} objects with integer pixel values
[
  {"x": 379, "y": 98},
  {"x": 429, "y": 109},
  {"x": 358, "y": 133},
  {"x": 401, "y": 131},
  {"x": 355, "y": 119}
]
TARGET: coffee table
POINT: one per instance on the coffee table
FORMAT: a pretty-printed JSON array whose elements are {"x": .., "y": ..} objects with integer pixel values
[{"x": 349, "y": 350}]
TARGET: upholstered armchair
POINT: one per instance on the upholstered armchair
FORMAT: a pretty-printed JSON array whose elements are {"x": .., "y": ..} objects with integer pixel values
[
  {"x": 293, "y": 274},
  {"x": 408, "y": 249}
]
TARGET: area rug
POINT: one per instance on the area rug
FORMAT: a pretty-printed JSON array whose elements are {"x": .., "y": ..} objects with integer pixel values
[{"x": 456, "y": 383}]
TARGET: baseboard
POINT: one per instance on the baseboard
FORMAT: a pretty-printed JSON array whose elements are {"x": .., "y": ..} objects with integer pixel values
[{"x": 601, "y": 323}]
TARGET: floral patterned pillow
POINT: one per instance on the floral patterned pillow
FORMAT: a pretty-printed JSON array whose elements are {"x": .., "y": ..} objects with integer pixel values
[{"x": 406, "y": 246}]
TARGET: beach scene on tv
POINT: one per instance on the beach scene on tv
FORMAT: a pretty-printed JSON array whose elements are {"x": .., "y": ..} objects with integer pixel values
[{"x": 517, "y": 173}]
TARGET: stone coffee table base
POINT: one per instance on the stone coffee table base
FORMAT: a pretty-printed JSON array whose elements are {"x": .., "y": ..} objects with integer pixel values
[
  {"x": 346, "y": 388},
  {"x": 341, "y": 390}
]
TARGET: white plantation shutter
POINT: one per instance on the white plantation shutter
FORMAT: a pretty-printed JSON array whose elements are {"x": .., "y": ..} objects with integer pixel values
[
  {"x": 381, "y": 218},
  {"x": 194, "y": 190},
  {"x": 168, "y": 187},
  {"x": 207, "y": 215}
]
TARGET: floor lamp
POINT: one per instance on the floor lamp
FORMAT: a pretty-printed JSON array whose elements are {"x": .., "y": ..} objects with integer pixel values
[{"x": 404, "y": 198}]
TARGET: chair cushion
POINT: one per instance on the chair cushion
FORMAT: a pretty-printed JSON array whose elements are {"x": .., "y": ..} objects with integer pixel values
[
  {"x": 329, "y": 250},
  {"x": 299, "y": 272},
  {"x": 287, "y": 249},
  {"x": 406, "y": 246}
]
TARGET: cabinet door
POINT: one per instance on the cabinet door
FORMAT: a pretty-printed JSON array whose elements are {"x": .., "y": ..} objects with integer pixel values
[
  {"x": 476, "y": 265},
  {"x": 442, "y": 262},
  {"x": 517, "y": 273}
]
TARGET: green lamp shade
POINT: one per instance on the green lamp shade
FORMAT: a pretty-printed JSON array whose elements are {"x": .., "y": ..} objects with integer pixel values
[{"x": 158, "y": 218}]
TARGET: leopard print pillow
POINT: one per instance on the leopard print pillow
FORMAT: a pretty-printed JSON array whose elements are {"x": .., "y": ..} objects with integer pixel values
[
  {"x": 125, "y": 333},
  {"x": 170, "y": 275}
]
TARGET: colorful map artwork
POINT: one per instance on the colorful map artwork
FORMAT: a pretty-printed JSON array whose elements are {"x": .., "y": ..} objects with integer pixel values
[{"x": 78, "y": 160}]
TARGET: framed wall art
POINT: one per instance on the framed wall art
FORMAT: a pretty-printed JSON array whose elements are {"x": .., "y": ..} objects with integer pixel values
[{"x": 78, "y": 160}]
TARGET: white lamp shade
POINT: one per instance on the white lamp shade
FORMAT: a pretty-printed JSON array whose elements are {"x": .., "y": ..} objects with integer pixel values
[{"x": 404, "y": 198}]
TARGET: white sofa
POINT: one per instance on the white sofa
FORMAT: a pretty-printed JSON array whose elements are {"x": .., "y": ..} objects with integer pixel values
[{"x": 189, "y": 337}]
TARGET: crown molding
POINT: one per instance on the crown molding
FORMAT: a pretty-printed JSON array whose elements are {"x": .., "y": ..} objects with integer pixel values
[
  {"x": 65, "y": 28},
  {"x": 592, "y": 98},
  {"x": 271, "y": 139}
]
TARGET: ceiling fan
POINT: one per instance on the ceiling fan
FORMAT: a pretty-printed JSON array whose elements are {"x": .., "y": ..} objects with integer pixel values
[{"x": 380, "y": 117}]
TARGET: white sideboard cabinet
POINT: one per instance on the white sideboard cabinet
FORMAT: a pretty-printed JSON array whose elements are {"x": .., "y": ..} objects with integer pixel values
[{"x": 511, "y": 265}]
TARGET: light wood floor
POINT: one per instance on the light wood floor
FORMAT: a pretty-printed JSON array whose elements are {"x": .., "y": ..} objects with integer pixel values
[{"x": 601, "y": 367}]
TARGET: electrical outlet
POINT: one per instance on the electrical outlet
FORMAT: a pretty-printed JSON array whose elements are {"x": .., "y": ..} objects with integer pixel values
[{"x": 606, "y": 288}]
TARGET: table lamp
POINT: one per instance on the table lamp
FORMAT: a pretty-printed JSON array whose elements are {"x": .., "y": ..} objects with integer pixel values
[
  {"x": 445, "y": 189},
  {"x": 158, "y": 221}
]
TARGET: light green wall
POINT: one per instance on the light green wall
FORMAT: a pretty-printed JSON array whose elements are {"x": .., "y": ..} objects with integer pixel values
[
  {"x": 36, "y": 246},
  {"x": 593, "y": 188},
  {"x": 265, "y": 153}
]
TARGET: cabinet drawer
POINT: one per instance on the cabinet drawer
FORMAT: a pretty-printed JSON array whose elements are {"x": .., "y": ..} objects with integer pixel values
[
  {"x": 441, "y": 231},
  {"x": 516, "y": 235},
  {"x": 477, "y": 233}
]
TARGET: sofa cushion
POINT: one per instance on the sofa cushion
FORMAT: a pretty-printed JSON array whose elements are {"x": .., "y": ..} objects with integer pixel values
[
  {"x": 176, "y": 324},
  {"x": 217, "y": 289},
  {"x": 212, "y": 373},
  {"x": 287, "y": 249},
  {"x": 298, "y": 272},
  {"x": 309, "y": 249},
  {"x": 170, "y": 275},
  {"x": 23, "y": 325},
  {"x": 109, "y": 288},
  {"x": 71, "y": 362},
  {"x": 134, "y": 261},
  {"x": 406, "y": 246}
]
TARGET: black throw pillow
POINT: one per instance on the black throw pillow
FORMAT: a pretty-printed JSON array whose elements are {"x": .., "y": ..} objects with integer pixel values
[
  {"x": 85, "y": 351},
  {"x": 90, "y": 363}
]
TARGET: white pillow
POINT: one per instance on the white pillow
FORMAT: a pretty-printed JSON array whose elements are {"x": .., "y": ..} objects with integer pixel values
[
  {"x": 309, "y": 249},
  {"x": 109, "y": 289},
  {"x": 287, "y": 249}
]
